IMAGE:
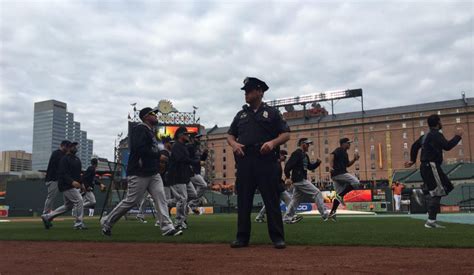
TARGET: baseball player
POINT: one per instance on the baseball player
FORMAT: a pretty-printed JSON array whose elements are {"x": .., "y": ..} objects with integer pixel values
[
  {"x": 435, "y": 182},
  {"x": 51, "y": 179},
  {"x": 143, "y": 175},
  {"x": 89, "y": 180},
  {"x": 343, "y": 181},
  {"x": 69, "y": 177},
  {"x": 304, "y": 191},
  {"x": 179, "y": 175},
  {"x": 285, "y": 196},
  {"x": 197, "y": 180}
]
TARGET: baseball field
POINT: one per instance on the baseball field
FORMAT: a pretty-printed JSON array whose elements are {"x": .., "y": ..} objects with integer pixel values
[{"x": 359, "y": 244}]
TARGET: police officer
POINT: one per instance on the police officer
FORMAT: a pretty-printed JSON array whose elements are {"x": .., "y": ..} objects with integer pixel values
[{"x": 255, "y": 135}]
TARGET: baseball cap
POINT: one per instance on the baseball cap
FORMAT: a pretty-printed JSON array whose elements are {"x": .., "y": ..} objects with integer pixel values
[
  {"x": 65, "y": 142},
  {"x": 344, "y": 140},
  {"x": 73, "y": 143},
  {"x": 304, "y": 140},
  {"x": 145, "y": 111},
  {"x": 180, "y": 131},
  {"x": 254, "y": 83}
]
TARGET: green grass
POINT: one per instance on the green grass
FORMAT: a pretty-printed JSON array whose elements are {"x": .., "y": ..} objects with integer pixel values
[{"x": 220, "y": 228}]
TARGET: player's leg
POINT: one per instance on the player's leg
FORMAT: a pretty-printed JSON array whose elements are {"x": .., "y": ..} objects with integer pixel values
[
  {"x": 141, "y": 209},
  {"x": 74, "y": 196},
  {"x": 89, "y": 199},
  {"x": 180, "y": 194},
  {"x": 200, "y": 185},
  {"x": 135, "y": 191},
  {"x": 261, "y": 215},
  {"x": 157, "y": 192},
  {"x": 53, "y": 190},
  {"x": 49, "y": 217},
  {"x": 192, "y": 196},
  {"x": 296, "y": 199}
]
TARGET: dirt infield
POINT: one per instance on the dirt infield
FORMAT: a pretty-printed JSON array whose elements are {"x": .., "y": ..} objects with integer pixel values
[{"x": 89, "y": 257}]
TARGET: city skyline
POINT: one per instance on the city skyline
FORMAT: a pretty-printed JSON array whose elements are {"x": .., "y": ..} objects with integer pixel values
[{"x": 53, "y": 123}]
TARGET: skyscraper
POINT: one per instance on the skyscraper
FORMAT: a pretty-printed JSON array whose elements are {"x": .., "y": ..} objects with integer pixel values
[{"x": 52, "y": 124}]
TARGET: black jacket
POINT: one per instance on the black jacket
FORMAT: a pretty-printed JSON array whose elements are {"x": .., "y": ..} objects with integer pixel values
[
  {"x": 432, "y": 145},
  {"x": 53, "y": 165},
  {"x": 70, "y": 169},
  {"x": 89, "y": 179},
  {"x": 164, "y": 172},
  {"x": 179, "y": 169},
  {"x": 196, "y": 154},
  {"x": 144, "y": 159},
  {"x": 298, "y": 164}
]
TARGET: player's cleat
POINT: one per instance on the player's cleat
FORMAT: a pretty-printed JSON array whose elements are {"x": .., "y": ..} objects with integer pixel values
[
  {"x": 181, "y": 227},
  {"x": 80, "y": 226},
  {"x": 332, "y": 216},
  {"x": 238, "y": 244},
  {"x": 47, "y": 224},
  {"x": 340, "y": 199},
  {"x": 259, "y": 220},
  {"x": 173, "y": 232},
  {"x": 325, "y": 216},
  {"x": 157, "y": 224},
  {"x": 433, "y": 224},
  {"x": 279, "y": 244},
  {"x": 295, "y": 219},
  {"x": 106, "y": 232},
  {"x": 141, "y": 219}
]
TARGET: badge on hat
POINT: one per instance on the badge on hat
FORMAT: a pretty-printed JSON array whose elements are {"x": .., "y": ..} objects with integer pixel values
[
  {"x": 265, "y": 114},
  {"x": 243, "y": 115}
]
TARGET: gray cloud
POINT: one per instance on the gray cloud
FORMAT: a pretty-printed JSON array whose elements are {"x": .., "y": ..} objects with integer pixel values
[{"x": 100, "y": 56}]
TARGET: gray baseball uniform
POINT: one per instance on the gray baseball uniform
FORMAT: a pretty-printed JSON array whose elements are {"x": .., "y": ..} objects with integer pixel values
[
  {"x": 285, "y": 196},
  {"x": 72, "y": 199},
  {"x": 136, "y": 189},
  {"x": 305, "y": 191}
]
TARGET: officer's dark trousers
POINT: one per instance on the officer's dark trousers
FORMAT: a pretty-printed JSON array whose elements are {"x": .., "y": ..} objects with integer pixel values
[{"x": 257, "y": 171}]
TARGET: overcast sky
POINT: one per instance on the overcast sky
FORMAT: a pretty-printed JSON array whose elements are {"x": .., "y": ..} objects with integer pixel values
[{"x": 100, "y": 56}]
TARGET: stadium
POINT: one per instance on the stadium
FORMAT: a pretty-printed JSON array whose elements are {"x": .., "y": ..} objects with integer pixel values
[{"x": 368, "y": 226}]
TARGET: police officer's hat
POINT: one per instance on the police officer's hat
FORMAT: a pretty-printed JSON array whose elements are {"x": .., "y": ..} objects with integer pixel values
[
  {"x": 180, "y": 131},
  {"x": 254, "y": 83}
]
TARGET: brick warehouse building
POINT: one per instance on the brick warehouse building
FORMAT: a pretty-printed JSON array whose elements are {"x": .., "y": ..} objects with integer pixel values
[{"x": 382, "y": 137}]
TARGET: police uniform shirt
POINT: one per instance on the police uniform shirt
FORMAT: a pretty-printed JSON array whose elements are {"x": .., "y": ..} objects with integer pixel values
[{"x": 251, "y": 128}]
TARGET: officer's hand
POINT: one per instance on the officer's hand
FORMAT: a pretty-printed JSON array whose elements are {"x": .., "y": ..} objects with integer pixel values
[
  {"x": 238, "y": 149},
  {"x": 409, "y": 164},
  {"x": 76, "y": 184},
  {"x": 202, "y": 163},
  {"x": 163, "y": 158},
  {"x": 267, "y": 147},
  {"x": 288, "y": 182},
  {"x": 459, "y": 131}
]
